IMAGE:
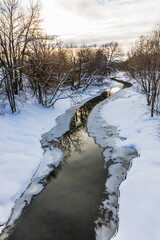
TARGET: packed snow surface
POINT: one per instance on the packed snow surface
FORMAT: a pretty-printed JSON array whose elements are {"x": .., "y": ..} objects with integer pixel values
[{"x": 139, "y": 200}]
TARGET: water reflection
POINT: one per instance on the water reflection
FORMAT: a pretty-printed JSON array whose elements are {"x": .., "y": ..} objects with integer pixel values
[{"x": 73, "y": 140}]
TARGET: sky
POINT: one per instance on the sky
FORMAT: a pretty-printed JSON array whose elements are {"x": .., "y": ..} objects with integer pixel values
[{"x": 100, "y": 21}]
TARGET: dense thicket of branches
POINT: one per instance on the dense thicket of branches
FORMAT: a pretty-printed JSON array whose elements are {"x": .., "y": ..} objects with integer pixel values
[
  {"x": 50, "y": 67},
  {"x": 144, "y": 66},
  {"x": 30, "y": 59}
]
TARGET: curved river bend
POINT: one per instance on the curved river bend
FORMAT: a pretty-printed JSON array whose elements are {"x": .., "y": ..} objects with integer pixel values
[{"x": 69, "y": 204}]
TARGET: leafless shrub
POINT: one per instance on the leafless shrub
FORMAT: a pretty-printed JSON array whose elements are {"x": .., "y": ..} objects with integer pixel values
[{"x": 144, "y": 66}]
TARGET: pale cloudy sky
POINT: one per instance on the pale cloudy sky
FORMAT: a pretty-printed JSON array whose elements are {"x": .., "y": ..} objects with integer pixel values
[{"x": 100, "y": 21}]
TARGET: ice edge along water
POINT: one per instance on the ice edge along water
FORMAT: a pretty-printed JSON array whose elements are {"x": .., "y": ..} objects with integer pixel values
[
  {"x": 117, "y": 164},
  {"x": 139, "y": 195}
]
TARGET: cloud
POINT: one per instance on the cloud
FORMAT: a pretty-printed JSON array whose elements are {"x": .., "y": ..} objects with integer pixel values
[
  {"x": 89, "y": 9},
  {"x": 99, "y": 20},
  {"x": 105, "y": 10}
]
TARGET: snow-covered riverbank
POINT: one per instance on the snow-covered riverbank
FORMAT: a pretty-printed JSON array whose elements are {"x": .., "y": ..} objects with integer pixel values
[
  {"x": 117, "y": 161},
  {"x": 140, "y": 193}
]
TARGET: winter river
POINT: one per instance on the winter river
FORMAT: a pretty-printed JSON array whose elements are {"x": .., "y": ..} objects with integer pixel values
[{"x": 69, "y": 204}]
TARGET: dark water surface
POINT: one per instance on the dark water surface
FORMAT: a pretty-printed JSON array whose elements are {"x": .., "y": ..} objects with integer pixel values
[{"x": 68, "y": 206}]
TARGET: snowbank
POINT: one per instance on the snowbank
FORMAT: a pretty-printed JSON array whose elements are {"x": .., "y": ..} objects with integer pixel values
[
  {"x": 21, "y": 152},
  {"x": 117, "y": 162},
  {"x": 139, "y": 194}
]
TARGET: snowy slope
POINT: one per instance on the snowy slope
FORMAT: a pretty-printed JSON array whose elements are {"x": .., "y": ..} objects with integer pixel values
[{"x": 140, "y": 194}]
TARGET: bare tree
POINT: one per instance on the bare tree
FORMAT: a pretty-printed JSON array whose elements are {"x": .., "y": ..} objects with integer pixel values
[
  {"x": 112, "y": 55},
  {"x": 84, "y": 67},
  {"x": 144, "y": 65},
  {"x": 47, "y": 69},
  {"x": 17, "y": 29}
]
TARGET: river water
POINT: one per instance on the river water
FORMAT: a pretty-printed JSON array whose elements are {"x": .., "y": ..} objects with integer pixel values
[{"x": 68, "y": 206}]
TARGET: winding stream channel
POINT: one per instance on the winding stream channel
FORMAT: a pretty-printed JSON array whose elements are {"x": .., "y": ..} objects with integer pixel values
[{"x": 68, "y": 206}]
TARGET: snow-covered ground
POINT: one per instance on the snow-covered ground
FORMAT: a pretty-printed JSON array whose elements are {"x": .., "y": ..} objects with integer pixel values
[
  {"x": 22, "y": 159},
  {"x": 139, "y": 212},
  {"x": 21, "y": 155}
]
